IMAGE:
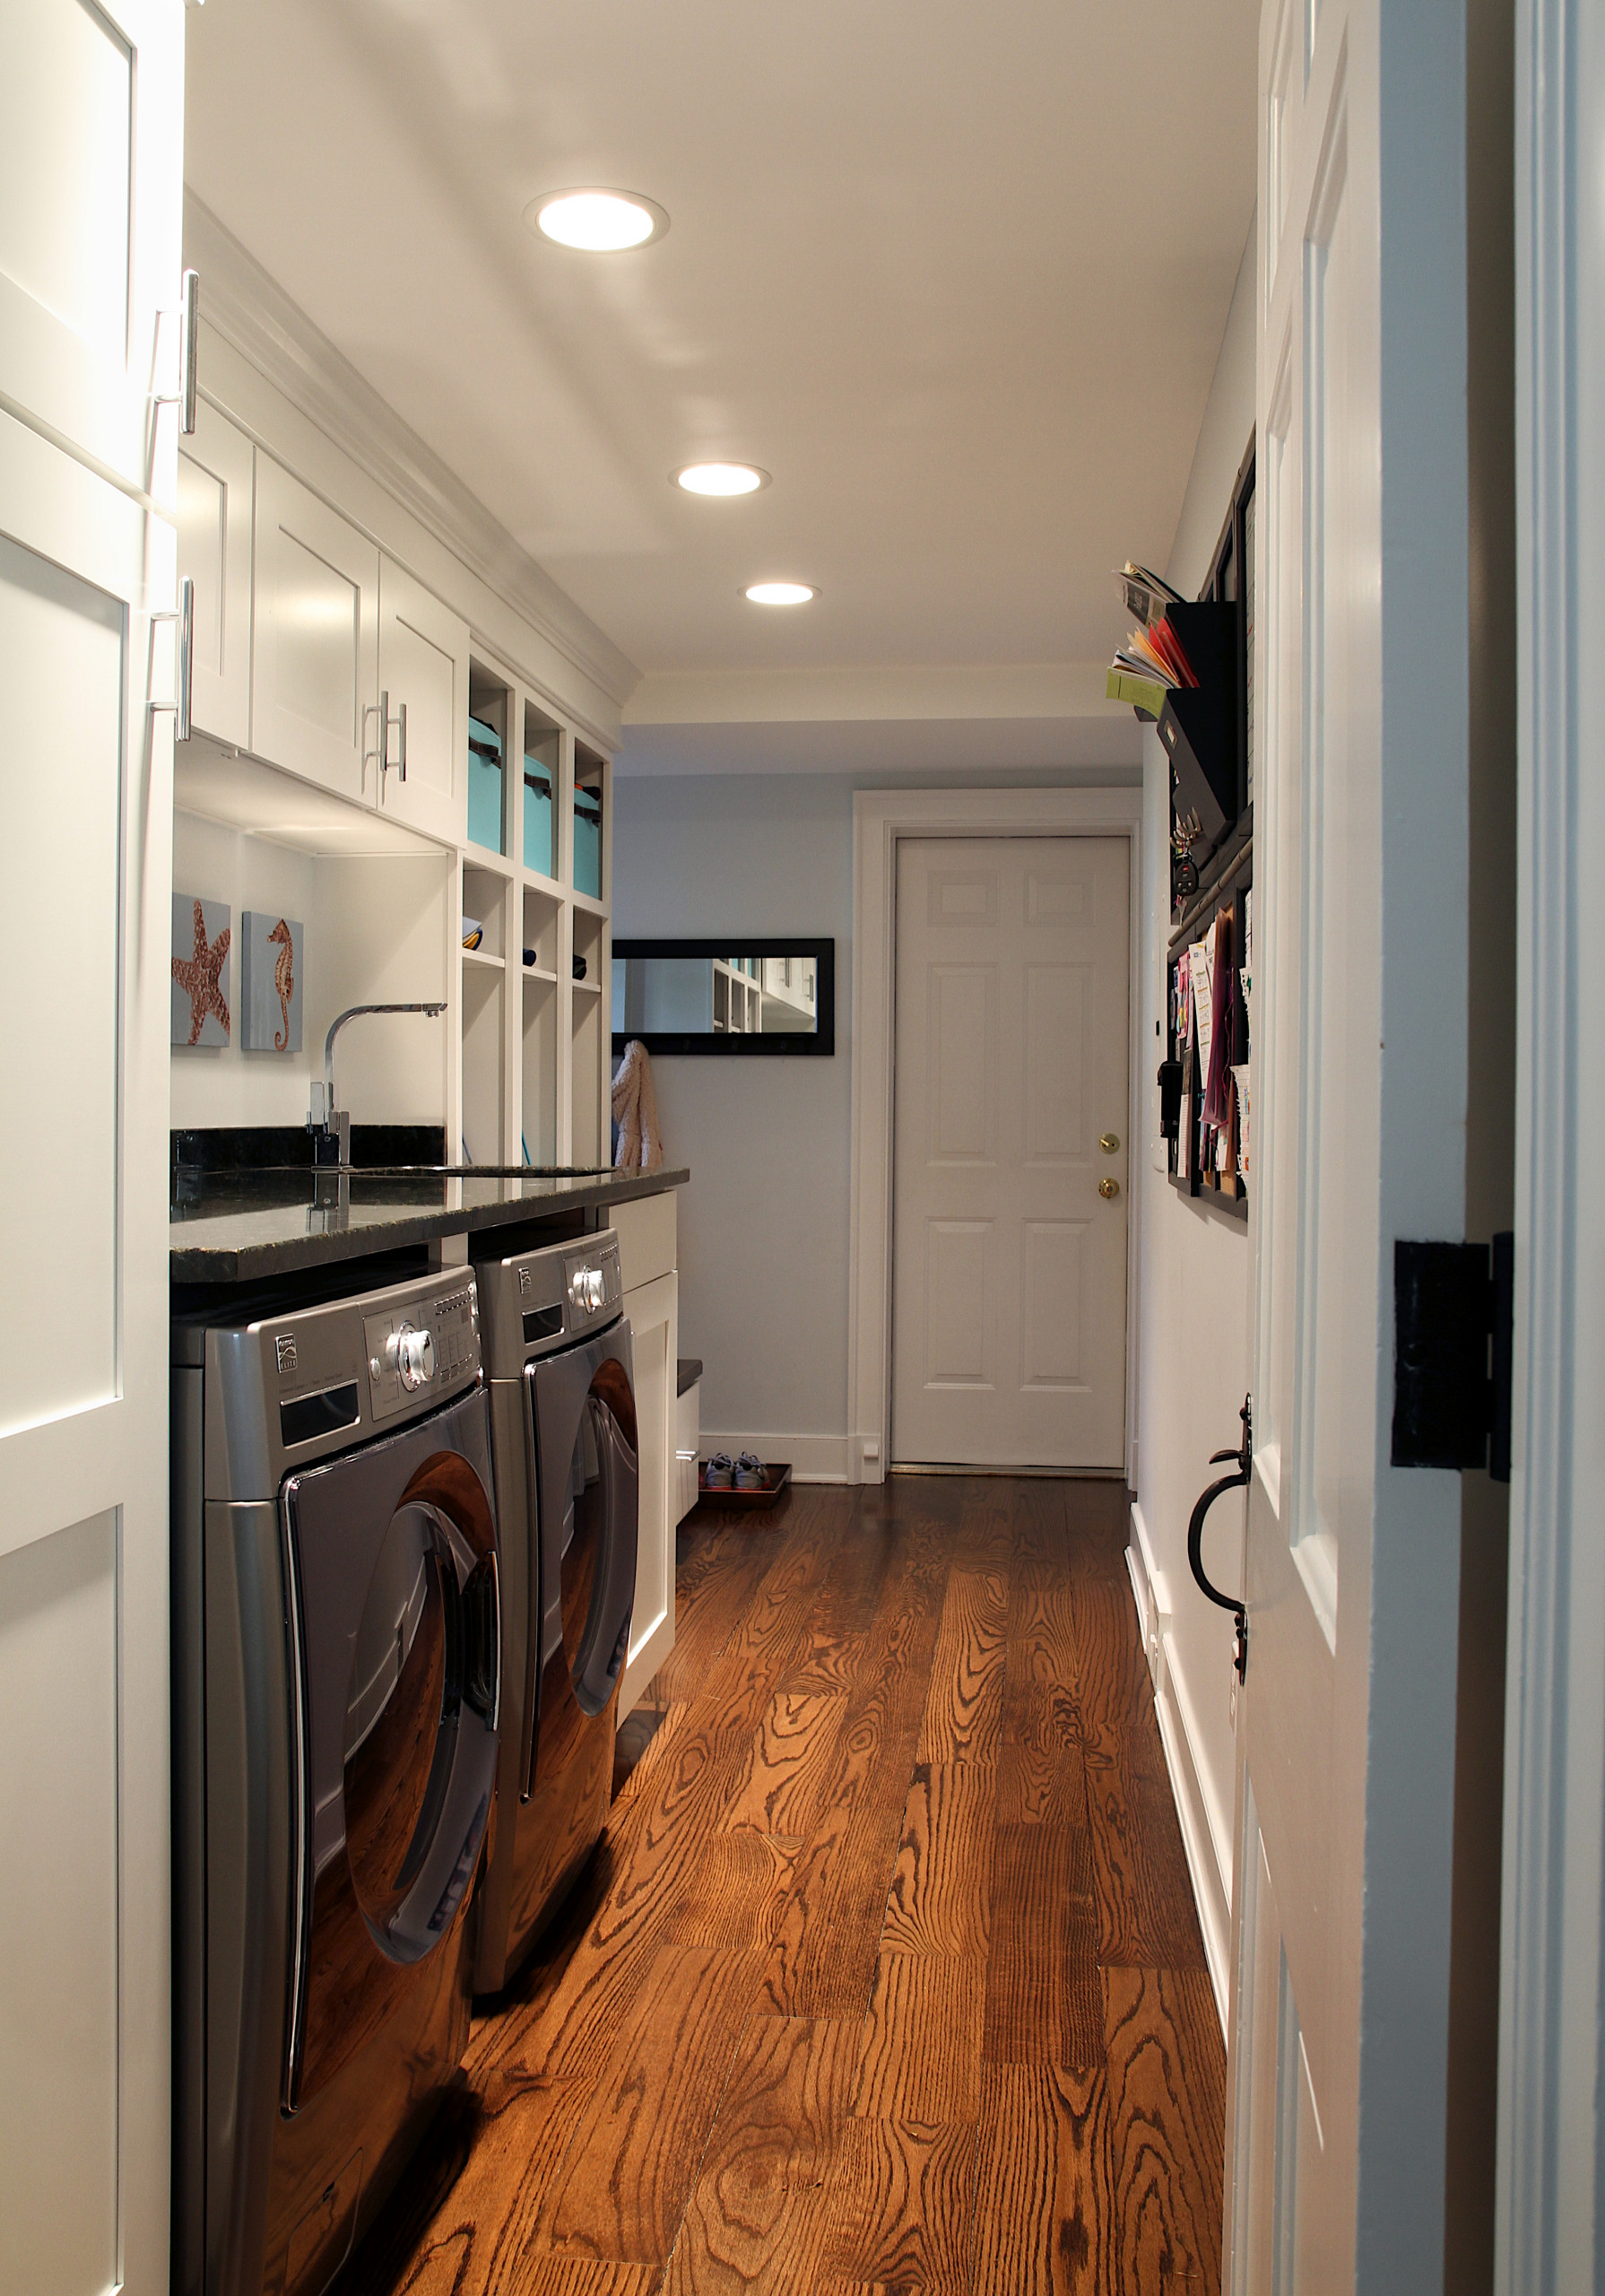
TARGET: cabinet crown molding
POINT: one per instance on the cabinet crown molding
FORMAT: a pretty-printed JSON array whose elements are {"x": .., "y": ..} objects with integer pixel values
[{"x": 252, "y": 313}]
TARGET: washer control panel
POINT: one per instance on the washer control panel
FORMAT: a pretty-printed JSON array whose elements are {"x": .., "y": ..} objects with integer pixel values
[
  {"x": 424, "y": 1346},
  {"x": 592, "y": 1281}
]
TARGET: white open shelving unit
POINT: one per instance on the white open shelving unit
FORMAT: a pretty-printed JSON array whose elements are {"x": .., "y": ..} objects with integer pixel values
[{"x": 535, "y": 1073}]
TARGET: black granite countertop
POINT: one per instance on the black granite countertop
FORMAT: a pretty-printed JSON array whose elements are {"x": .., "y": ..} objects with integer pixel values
[{"x": 242, "y": 1227}]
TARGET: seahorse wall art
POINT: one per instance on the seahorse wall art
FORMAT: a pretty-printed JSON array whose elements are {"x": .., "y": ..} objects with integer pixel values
[
  {"x": 271, "y": 948},
  {"x": 201, "y": 937}
]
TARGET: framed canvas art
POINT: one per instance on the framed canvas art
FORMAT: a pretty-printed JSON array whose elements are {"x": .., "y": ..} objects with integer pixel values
[
  {"x": 201, "y": 938},
  {"x": 271, "y": 952}
]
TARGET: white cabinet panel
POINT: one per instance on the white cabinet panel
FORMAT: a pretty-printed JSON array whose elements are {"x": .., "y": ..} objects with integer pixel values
[
  {"x": 423, "y": 666},
  {"x": 315, "y": 618},
  {"x": 90, "y": 134},
  {"x": 214, "y": 550},
  {"x": 86, "y": 796},
  {"x": 62, "y": 668},
  {"x": 653, "y": 1313},
  {"x": 58, "y": 1824}
]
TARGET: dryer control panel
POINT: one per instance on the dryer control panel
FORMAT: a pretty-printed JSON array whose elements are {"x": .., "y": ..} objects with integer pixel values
[{"x": 422, "y": 1345}]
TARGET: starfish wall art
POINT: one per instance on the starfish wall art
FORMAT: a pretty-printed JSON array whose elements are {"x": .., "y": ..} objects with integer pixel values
[{"x": 201, "y": 937}]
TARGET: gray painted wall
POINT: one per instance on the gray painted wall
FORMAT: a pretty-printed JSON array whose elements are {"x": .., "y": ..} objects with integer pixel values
[{"x": 765, "y": 1222}]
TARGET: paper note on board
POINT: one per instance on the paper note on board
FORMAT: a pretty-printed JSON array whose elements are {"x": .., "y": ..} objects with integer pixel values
[{"x": 1199, "y": 959}]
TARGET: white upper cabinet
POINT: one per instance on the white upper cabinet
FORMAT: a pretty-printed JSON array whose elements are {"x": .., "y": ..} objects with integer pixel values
[
  {"x": 423, "y": 666},
  {"x": 91, "y": 126},
  {"x": 316, "y": 622},
  {"x": 214, "y": 550}
]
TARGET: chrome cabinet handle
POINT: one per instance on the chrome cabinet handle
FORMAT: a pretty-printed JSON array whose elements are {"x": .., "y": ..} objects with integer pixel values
[
  {"x": 184, "y": 615},
  {"x": 374, "y": 709},
  {"x": 385, "y": 723},
  {"x": 185, "y": 395}
]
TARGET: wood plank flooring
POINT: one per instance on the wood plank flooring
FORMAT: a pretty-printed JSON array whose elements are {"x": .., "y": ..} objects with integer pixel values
[{"x": 886, "y": 1976}]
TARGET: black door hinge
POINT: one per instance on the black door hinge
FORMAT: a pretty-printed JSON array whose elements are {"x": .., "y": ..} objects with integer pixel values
[{"x": 1454, "y": 1322}]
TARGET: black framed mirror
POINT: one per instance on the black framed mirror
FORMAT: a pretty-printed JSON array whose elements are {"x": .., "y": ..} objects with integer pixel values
[{"x": 735, "y": 998}]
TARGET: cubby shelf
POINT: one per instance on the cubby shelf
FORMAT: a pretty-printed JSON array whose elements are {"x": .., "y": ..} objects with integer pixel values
[{"x": 535, "y": 1064}]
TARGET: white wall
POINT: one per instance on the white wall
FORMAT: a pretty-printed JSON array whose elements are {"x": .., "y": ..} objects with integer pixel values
[
  {"x": 765, "y": 1221},
  {"x": 1193, "y": 1277},
  {"x": 376, "y": 930}
]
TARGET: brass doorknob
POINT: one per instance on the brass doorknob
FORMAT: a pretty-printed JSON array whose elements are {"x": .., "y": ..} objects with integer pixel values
[
  {"x": 1108, "y": 1188},
  {"x": 1110, "y": 1143}
]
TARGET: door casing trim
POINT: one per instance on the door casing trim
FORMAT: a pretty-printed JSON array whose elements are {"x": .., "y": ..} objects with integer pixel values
[{"x": 882, "y": 818}]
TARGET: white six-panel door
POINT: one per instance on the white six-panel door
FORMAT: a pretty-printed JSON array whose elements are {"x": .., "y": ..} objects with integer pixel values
[
  {"x": 1338, "y": 2050},
  {"x": 1008, "y": 1265},
  {"x": 90, "y": 152}
]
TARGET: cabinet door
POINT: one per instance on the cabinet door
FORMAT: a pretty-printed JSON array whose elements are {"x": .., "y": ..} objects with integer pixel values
[
  {"x": 214, "y": 550},
  {"x": 653, "y": 1313},
  {"x": 423, "y": 662},
  {"x": 85, "y": 879},
  {"x": 315, "y": 623},
  {"x": 91, "y": 134}
]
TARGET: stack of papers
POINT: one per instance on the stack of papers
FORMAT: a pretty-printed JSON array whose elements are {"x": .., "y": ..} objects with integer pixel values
[
  {"x": 1145, "y": 594},
  {"x": 1152, "y": 661}
]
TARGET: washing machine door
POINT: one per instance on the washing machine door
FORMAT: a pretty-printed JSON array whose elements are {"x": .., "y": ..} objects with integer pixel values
[
  {"x": 391, "y": 1564},
  {"x": 582, "y": 1408}
]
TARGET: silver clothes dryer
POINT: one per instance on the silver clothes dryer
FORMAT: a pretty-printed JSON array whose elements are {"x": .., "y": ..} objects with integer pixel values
[
  {"x": 336, "y": 1681},
  {"x": 563, "y": 1418}
]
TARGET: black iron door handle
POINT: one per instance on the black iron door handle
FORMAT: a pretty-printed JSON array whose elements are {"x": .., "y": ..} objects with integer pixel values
[{"x": 1243, "y": 1459}]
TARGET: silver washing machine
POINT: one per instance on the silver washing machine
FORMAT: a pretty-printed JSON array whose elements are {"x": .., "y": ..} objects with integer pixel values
[
  {"x": 563, "y": 1414},
  {"x": 337, "y": 1663}
]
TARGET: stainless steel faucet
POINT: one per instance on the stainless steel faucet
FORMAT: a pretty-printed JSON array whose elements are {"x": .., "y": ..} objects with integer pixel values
[{"x": 331, "y": 1127}]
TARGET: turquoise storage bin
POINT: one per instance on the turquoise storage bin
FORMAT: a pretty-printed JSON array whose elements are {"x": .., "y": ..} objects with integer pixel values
[
  {"x": 587, "y": 842},
  {"x": 484, "y": 786},
  {"x": 537, "y": 817}
]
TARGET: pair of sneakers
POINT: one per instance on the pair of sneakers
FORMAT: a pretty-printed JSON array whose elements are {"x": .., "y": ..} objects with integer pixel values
[{"x": 746, "y": 1473}]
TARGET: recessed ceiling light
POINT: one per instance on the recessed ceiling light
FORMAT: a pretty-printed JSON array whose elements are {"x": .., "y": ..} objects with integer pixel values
[
  {"x": 780, "y": 594},
  {"x": 600, "y": 222},
  {"x": 720, "y": 478}
]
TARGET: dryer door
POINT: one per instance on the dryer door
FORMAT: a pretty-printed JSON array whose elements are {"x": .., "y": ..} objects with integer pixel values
[
  {"x": 587, "y": 1482},
  {"x": 391, "y": 1556}
]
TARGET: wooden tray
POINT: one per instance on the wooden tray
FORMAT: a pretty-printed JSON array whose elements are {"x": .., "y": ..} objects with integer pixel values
[{"x": 776, "y": 1475}]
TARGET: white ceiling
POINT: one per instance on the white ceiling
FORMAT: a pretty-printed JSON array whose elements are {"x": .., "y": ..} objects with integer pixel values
[{"x": 957, "y": 276}]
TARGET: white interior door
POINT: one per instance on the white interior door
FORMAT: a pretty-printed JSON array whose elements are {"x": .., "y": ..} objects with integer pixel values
[
  {"x": 85, "y": 868},
  {"x": 1346, "y": 1737},
  {"x": 1010, "y": 1155}
]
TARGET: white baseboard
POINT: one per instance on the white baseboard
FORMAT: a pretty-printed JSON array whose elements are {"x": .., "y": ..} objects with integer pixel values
[
  {"x": 1211, "y": 1892},
  {"x": 814, "y": 1459}
]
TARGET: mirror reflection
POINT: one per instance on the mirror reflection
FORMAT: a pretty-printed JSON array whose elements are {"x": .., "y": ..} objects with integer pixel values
[
  {"x": 711, "y": 995},
  {"x": 734, "y": 995}
]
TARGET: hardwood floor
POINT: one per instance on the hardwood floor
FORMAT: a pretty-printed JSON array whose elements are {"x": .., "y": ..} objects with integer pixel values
[{"x": 887, "y": 1975}]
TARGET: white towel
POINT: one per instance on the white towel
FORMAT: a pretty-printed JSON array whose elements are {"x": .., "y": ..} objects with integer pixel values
[{"x": 635, "y": 1112}]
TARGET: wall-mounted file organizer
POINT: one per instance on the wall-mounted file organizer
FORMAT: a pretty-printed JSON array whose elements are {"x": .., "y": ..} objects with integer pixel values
[
  {"x": 1198, "y": 724},
  {"x": 1210, "y": 1138},
  {"x": 1207, "y": 729}
]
